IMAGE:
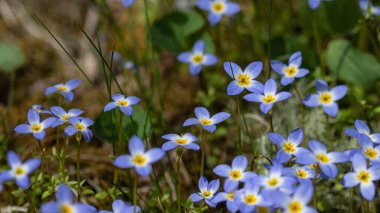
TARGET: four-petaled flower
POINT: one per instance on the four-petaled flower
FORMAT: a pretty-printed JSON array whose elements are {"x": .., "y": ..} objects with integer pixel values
[
  {"x": 244, "y": 79},
  {"x": 369, "y": 151},
  {"x": 19, "y": 171},
  {"x": 326, "y": 97},
  {"x": 64, "y": 89},
  {"x": 235, "y": 173},
  {"x": 65, "y": 203},
  {"x": 363, "y": 176},
  {"x": 218, "y": 8},
  {"x": 275, "y": 181},
  {"x": 362, "y": 128},
  {"x": 124, "y": 103},
  {"x": 288, "y": 147},
  {"x": 302, "y": 173},
  {"x": 268, "y": 97},
  {"x": 207, "y": 191},
  {"x": 228, "y": 197},
  {"x": 119, "y": 206},
  {"x": 62, "y": 115},
  {"x": 291, "y": 71},
  {"x": 35, "y": 126},
  {"x": 139, "y": 159},
  {"x": 79, "y": 125},
  {"x": 197, "y": 58},
  {"x": 249, "y": 198},
  {"x": 204, "y": 119},
  {"x": 320, "y": 156},
  {"x": 187, "y": 140}
]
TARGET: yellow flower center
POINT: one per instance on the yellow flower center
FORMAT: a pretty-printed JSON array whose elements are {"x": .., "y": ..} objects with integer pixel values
[
  {"x": 122, "y": 103},
  {"x": 370, "y": 153},
  {"x": 313, "y": 166},
  {"x": 206, "y": 121},
  {"x": 295, "y": 207},
  {"x": 182, "y": 141},
  {"x": 289, "y": 147},
  {"x": 80, "y": 126},
  {"x": 301, "y": 173},
  {"x": 290, "y": 71},
  {"x": 65, "y": 117},
  {"x": 325, "y": 98},
  {"x": 65, "y": 209},
  {"x": 19, "y": 171},
  {"x": 364, "y": 176},
  {"x": 230, "y": 196},
  {"x": 273, "y": 182},
  {"x": 218, "y": 7},
  {"x": 206, "y": 194},
  {"x": 244, "y": 80},
  {"x": 250, "y": 199},
  {"x": 235, "y": 175},
  {"x": 323, "y": 158},
  {"x": 36, "y": 127},
  {"x": 62, "y": 88},
  {"x": 139, "y": 160},
  {"x": 268, "y": 99},
  {"x": 197, "y": 58}
]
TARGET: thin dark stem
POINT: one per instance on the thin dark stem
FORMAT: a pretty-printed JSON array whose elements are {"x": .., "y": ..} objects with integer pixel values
[
  {"x": 202, "y": 153},
  {"x": 239, "y": 145},
  {"x": 179, "y": 156},
  {"x": 79, "y": 138},
  {"x": 269, "y": 37},
  {"x": 136, "y": 179}
]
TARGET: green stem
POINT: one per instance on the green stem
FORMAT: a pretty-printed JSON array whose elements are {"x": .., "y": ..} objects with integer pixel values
[
  {"x": 239, "y": 146},
  {"x": 301, "y": 107},
  {"x": 179, "y": 156},
  {"x": 318, "y": 43},
  {"x": 79, "y": 138},
  {"x": 202, "y": 153},
  {"x": 351, "y": 200},
  {"x": 374, "y": 210},
  {"x": 271, "y": 120},
  {"x": 135, "y": 193},
  {"x": 269, "y": 37}
]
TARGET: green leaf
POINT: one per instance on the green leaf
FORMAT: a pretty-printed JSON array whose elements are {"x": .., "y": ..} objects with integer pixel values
[
  {"x": 352, "y": 65},
  {"x": 108, "y": 130},
  {"x": 171, "y": 31},
  {"x": 11, "y": 57},
  {"x": 46, "y": 194},
  {"x": 101, "y": 195}
]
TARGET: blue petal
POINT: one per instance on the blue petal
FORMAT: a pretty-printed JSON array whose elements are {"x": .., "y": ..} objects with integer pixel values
[
  {"x": 136, "y": 145},
  {"x": 210, "y": 60},
  {"x": 73, "y": 120},
  {"x": 13, "y": 159},
  {"x": 331, "y": 109},
  {"x": 154, "y": 155},
  {"x": 254, "y": 97},
  {"x": 306, "y": 159},
  {"x": 304, "y": 192},
  {"x": 123, "y": 161},
  {"x": 367, "y": 190},
  {"x": 352, "y": 133},
  {"x": 214, "y": 18},
  {"x": 321, "y": 86},
  {"x": 359, "y": 162},
  {"x": 195, "y": 197},
  {"x": 50, "y": 90},
  {"x": 23, "y": 182},
  {"x": 362, "y": 127},
  {"x": 232, "y": 8},
  {"x": 312, "y": 100},
  {"x": 287, "y": 80},
  {"x": 132, "y": 100},
  {"x": 240, "y": 163},
  {"x": 350, "y": 180},
  {"x": 283, "y": 157},
  {"x": 338, "y": 157},
  {"x": 314, "y": 4},
  {"x": 295, "y": 59},
  {"x": 296, "y": 136},
  {"x": 50, "y": 207},
  {"x": 190, "y": 122},
  {"x": 110, "y": 106},
  {"x": 33, "y": 116},
  {"x": 329, "y": 170},
  {"x": 169, "y": 145},
  {"x": 68, "y": 96},
  {"x": 23, "y": 129},
  {"x": 338, "y": 92},
  {"x": 276, "y": 138},
  {"x": 204, "y": 4},
  {"x": 270, "y": 87},
  {"x": 317, "y": 147},
  {"x": 87, "y": 122},
  {"x": 58, "y": 111},
  {"x": 39, "y": 135},
  {"x": 265, "y": 108},
  {"x": 127, "y": 3},
  {"x": 255, "y": 86},
  {"x": 254, "y": 69},
  {"x": 195, "y": 69},
  {"x": 170, "y": 137},
  {"x": 278, "y": 66},
  {"x": 118, "y": 206},
  {"x": 220, "y": 117},
  {"x": 70, "y": 130},
  {"x": 301, "y": 73},
  {"x": 117, "y": 97},
  {"x": 222, "y": 170},
  {"x": 232, "y": 206},
  {"x": 87, "y": 135},
  {"x": 202, "y": 183},
  {"x": 283, "y": 96},
  {"x": 213, "y": 186},
  {"x": 201, "y": 112},
  {"x": 192, "y": 146},
  {"x": 232, "y": 69},
  {"x": 32, "y": 164},
  {"x": 72, "y": 84},
  {"x": 64, "y": 194},
  {"x": 375, "y": 137},
  {"x": 230, "y": 184},
  {"x": 85, "y": 208},
  {"x": 220, "y": 197},
  {"x": 375, "y": 172},
  {"x": 184, "y": 57},
  {"x": 48, "y": 122},
  {"x": 199, "y": 47},
  {"x": 190, "y": 137},
  {"x": 144, "y": 171},
  {"x": 127, "y": 110},
  {"x": 210, "y": 128}
]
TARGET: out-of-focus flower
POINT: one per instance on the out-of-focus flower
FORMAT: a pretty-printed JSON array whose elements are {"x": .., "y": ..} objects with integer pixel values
[
  {"x": 62, "y": 115},
  {"x": 187, "y": 140},
  {"x": 292, "y": 70},
  {"x": 218, "y": 8},
  {"x": 40, "y": 109},
  {"x": 19, "y": 171},
  {"x": 35, "y": 126},
  {"x": 197, "y": 58},
  {"x": 362, "y": 128},
  {"x": 139, "y": 159},
  {"x": 207, "y": 191},
  {"x": 81, "y": 125},
  {"x": 65, "y": 203},
  {"x": 127, "y": 3},
  {"x": 302, "y": 173},
  {"x": 64, "y": 89},
  {"x": 244, "y": 79},
  {"x": 124, "y": 103},
  {"x": 268, "y": 97},
  {"x": 119, "y": 206},
  {"x": 204, "y": 119},
  {"x": 327, "y": 98}
]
